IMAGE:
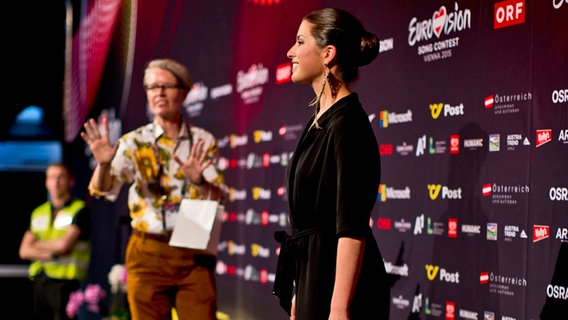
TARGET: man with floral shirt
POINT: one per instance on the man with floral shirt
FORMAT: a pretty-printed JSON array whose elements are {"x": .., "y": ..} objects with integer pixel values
[{"x": 163, "y": 162}]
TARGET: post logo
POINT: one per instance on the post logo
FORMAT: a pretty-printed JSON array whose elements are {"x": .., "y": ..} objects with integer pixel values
[
  {"x": 449, "y": 110},
  {"x": 431, "y": 271},
  {"x": 434, "y": 190},
  {"x": 508, "y": 13},
  {"x": 436, "y": 109}
]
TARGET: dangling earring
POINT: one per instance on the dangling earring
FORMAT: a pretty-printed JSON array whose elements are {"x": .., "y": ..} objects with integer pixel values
[{"x": 316, "y": 100}]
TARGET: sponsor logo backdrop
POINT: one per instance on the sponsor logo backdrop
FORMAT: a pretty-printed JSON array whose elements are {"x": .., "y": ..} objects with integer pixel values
[{"x": 469, "y": 102}]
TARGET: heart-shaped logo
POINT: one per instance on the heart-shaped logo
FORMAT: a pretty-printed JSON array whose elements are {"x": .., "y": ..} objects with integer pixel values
[{"x": 438, "y": 21}]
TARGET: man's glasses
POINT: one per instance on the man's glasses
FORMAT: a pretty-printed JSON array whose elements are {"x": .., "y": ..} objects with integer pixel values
[{"x": 160, "y": 87}]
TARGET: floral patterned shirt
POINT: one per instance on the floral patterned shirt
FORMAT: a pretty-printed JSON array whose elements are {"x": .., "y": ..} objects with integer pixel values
[{"x": 144, "y": 160}]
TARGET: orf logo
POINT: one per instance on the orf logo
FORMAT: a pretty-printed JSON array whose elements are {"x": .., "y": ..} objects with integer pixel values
[{"x": 509, "y": 13}]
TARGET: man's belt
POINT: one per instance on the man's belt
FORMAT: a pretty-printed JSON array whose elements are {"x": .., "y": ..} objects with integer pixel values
[{"x": 162, "y": 237}]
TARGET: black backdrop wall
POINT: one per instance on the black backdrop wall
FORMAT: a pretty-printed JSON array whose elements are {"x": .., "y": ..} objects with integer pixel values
[{"x": 469, "y": 102}]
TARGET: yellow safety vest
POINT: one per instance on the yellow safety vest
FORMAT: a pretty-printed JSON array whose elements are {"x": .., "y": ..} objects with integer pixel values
[{"x": 73, "y": 265}]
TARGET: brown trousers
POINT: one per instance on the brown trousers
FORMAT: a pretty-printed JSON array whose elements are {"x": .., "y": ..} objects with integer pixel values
[{"x": 160, "y": 277}]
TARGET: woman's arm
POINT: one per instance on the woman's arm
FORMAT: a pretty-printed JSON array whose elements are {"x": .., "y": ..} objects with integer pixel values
[{"x": 349, "y": 257}]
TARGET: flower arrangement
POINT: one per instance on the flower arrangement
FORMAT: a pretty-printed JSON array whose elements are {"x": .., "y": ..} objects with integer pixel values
[
  {"x": 117, "y": 280},
  {"x": 93, "y": 297}
]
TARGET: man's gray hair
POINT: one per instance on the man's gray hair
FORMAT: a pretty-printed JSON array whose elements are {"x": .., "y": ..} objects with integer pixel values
[{"x": 176, "y": 68}]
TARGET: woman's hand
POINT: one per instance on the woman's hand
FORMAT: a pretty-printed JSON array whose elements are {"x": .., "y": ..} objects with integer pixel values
[
  {"x": 293, "y": 309},
  {"x": 196, "y": 163},
  {"x": 99, "y": 143}
]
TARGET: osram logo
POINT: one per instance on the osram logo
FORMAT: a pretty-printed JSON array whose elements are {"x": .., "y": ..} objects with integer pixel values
[
  {"x": 508, "y": 13},
  {"x": 540, "y": 232}
]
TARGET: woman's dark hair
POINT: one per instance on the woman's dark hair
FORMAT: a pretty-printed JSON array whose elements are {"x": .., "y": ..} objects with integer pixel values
[{"x": 355, "y": 46}]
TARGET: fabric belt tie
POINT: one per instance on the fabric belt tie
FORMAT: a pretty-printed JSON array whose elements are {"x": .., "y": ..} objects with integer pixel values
[
  {"x": 162, "y": 237},
  {"x": 286, "y": 265}
]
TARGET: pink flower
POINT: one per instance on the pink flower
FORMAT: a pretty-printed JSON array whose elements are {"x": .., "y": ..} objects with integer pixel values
[
  {"x": 76, "y": 299},
  {"x": 94, "y": 293},
  {"x": 92, "y": 296}
]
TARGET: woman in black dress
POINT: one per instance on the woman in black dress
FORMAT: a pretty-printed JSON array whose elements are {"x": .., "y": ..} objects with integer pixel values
[{"x": 333, "y": 179}]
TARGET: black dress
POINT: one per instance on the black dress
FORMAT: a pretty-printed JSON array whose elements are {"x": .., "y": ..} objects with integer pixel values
[{"x": 333, "y": 181}]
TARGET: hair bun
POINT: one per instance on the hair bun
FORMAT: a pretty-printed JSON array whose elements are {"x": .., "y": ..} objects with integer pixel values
[{"x": 369, "y": 48}]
